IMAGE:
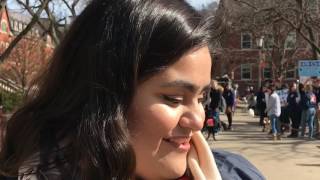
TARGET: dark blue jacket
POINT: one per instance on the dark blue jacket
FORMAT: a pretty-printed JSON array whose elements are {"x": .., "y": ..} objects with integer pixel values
[
  {"x": 234, "y": 167},
  {"x": 261, "y": 101},
  {"x": 292, "y": 103},
  {"x": 231, "y": 167},
  {"x": 306, "y": 101},
  {"x": 229, "y": 97}
]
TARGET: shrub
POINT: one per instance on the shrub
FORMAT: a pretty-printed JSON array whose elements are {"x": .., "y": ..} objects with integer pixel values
[{"x": 10, "y": 101}]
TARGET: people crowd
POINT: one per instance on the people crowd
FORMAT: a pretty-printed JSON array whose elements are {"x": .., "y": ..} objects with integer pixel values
[{"x": 292, "y": 108}]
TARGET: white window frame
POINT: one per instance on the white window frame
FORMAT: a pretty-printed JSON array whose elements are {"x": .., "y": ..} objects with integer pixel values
[
  {"x": 15, "y": 26},
  {"x": 242, "y": 67},
  {"x": 20, "y": 27},
  {"x": 242, "y": 34},
  {"x": 263, "y": 72},
  {"x": 294, "y": 39},
  {"x": 294, "y": 70}
]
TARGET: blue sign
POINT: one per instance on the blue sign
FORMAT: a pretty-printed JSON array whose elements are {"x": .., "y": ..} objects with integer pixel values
[{"x": 309, "y": 68}]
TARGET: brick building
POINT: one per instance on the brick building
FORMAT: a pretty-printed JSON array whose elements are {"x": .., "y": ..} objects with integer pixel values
[{"x": 240, "y": 56}]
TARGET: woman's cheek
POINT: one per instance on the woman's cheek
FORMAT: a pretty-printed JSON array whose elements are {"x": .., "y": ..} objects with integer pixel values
[{"x": 165, "y": 116}]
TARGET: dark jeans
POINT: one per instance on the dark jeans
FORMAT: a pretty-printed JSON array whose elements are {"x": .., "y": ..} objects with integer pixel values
[
  {"x": 229, "y": 115},
  {"x": 262, "y": 116},
  {"x": 284, "y": 117},
  {"x": 295, "y": 116}
]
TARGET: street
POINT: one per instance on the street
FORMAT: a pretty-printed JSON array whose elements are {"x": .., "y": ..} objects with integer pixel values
[{"x": 294, "y": 159}]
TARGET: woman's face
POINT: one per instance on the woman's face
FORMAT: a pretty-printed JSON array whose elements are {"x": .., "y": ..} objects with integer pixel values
[{"x": 166, "y": 110}]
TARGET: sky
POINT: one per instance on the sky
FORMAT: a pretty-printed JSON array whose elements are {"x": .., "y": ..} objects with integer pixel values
[{"x": 198, "y": 3}]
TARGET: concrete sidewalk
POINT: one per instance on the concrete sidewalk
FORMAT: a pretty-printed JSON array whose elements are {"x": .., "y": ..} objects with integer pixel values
[{"x": 292, "y": 159}]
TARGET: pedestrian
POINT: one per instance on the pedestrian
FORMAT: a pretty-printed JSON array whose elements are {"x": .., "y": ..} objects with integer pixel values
[
  {"x": 261, "y": 104},
  {"x": 274, "y": 110},
  {"x": 316, "y": 90},
  {"x": 294, "y": 110},
  {"x": 284, "y": 116},
  {"x": 235, "y": 94},
  {"x": 308, "y": 104},
  {"x": 122, "y": 99},
  {"x": 229, "y": 97},
  {"x": 213, "y": 112}
]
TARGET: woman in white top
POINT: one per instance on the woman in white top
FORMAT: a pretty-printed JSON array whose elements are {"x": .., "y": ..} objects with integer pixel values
[{"x": 274, "y": 111}]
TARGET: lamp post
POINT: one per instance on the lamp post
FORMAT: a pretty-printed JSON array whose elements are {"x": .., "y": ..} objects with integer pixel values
[{"x": 259, "y": 42}]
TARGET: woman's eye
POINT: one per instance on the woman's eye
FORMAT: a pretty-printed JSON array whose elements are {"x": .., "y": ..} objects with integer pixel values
[
  {"x": 173, "y": 99},
  {"x": 203, "y": 99}
]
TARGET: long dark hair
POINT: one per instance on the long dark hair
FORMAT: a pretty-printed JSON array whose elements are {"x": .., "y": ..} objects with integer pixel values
[{"x": 76, "y": 114}]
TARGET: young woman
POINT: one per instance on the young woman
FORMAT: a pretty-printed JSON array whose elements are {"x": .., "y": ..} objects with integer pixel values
[
  {"x": 122, "y": 99},
  {"x": 309, "y": 105},
  {"x": 229, "y": 97},
  {"x": 274, "y": 110},
  {"x": 294, "y": 110},
  {"x": 261, "y": 105}
]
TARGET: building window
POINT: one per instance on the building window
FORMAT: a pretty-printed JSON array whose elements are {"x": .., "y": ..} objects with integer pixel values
[
  {"x": 313, "y": 7},
  {"x": 4, "y": 26},
  {"x": 20, "y": 26},
  {"x": 290, "y": 71},
  {"x": 290, "y": 42},
  {"x": 15, "y": 25},
  {"x": 267, "y": 73},
  {"x": 268, "y": 42},
  {"x": 245, "y": 71},
  {"x": 246, "y": 41}
]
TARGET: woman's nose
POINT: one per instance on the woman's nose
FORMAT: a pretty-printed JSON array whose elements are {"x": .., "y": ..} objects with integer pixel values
[{"x": 193, "y": 117}]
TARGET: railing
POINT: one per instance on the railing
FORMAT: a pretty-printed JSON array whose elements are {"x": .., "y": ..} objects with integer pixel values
[{"x": 9, "y": 86}]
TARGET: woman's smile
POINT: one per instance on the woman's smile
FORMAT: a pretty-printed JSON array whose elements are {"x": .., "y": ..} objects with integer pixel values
[{"x": 181, "y": 143}]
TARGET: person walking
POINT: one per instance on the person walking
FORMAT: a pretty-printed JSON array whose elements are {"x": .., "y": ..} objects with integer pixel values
[
  {"x": 274, "y": 110},
  {"x": 229, "y": 97},
  {"x": 294, "y": 110},
  {"x": 261, "y": 104},
  {"x": 308, "y": 103},
  {"x": 284, "y": 117},
  {"x": 212, "y": 110}
]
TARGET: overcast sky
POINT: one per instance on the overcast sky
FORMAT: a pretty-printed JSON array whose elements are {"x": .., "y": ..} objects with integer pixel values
[{"x": 198, "y": 3}]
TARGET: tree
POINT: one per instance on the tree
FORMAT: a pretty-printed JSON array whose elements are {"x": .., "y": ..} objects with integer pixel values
[
  {"x": 279, "y": 22},
  {"x": 29, "y": 57},
  {"x": 50, "y": 15},
  {"x": 301, "y": 16}
]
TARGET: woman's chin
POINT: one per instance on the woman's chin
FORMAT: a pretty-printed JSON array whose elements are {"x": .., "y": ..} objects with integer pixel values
[{"x": 176, "y": 171}]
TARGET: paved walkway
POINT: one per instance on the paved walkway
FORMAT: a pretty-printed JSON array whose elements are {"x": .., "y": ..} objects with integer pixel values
[{"x": 287, "y": 159}]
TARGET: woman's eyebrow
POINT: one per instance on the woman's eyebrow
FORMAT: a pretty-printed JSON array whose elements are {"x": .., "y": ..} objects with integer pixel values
[{"x": 185, "y": 85}]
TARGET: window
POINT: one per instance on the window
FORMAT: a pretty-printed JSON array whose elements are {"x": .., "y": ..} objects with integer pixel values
[
  {"x": 11, "y": 23},
  {"x": 4, "y": 26},
  {"x": 313, "y": 7},
  {"x": 246, "y": 41},
  {"x": 267, "y": 73},
  {"x": 245, "y": 71},
  {"x": 290, "y": 71},
  {"x": 290, "y": 42},
  {"x": 20, "y": 26},
  {"x": 15, "y": 26},
  {"x": 268, "y": 41}
]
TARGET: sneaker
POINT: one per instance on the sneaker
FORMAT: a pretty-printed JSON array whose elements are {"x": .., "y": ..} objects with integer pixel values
[
  {"x": 278, "y": 137},
  {"x": 274, "y": 137},
  {"x": 311, "y": 139}
]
